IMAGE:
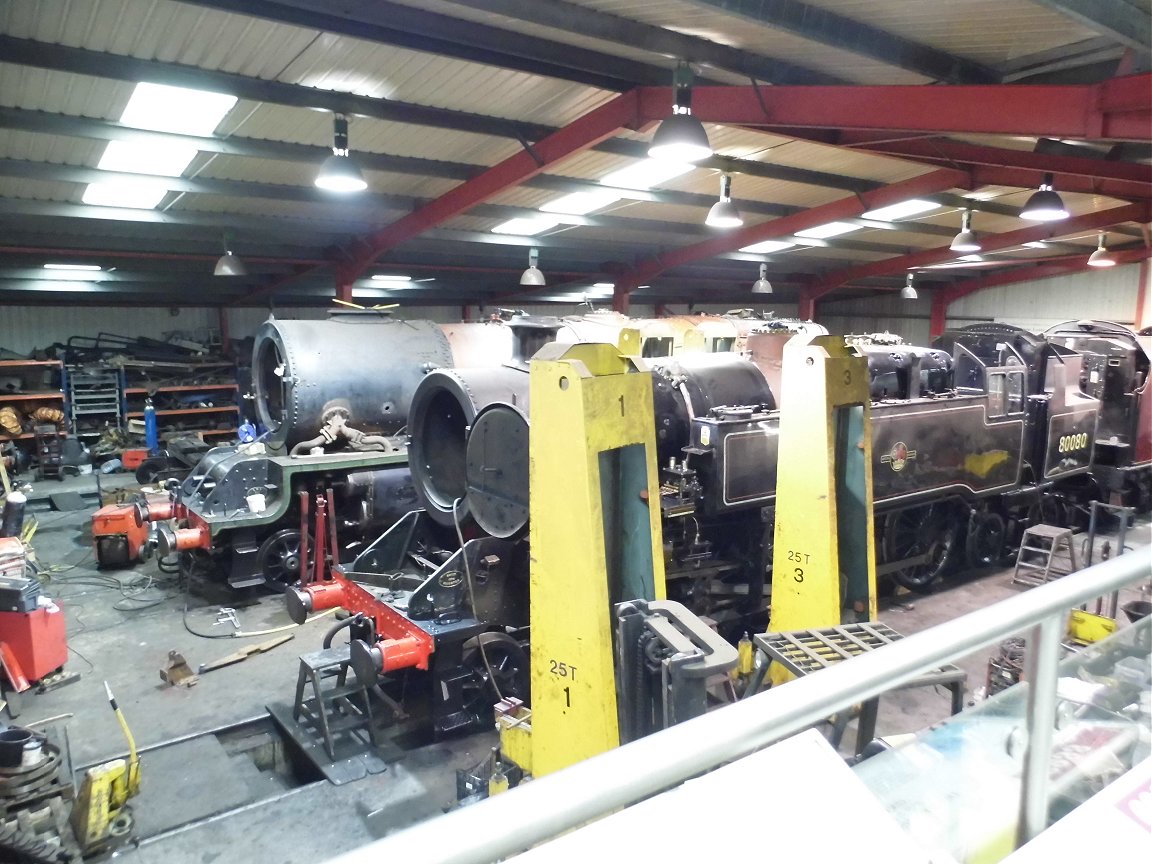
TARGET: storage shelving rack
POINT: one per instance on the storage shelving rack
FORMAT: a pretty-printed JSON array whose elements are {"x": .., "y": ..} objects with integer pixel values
[
  {"x": 223, "y": 392},
  {"x": 52, "y": 397}
]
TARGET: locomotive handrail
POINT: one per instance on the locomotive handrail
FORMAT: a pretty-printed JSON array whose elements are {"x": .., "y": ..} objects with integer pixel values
[{"x": 546, "y": 807}]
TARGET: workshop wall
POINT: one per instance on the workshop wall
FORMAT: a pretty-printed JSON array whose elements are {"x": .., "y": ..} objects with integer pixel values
[
  {"x": 908, "y": 318},
  {"x": 24, "y": 328},
  {"x": 1108, "y": 294}
]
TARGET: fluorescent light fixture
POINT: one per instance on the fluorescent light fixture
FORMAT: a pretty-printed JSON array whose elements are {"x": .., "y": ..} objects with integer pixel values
[
  {"x": 83, "y": 267},
  {"x": 1101, "y": 257},
  {"x": 1045, "y": 205},
  {"x": 525, "y": 226},
  {"x": 1036, "y": 244},
  {"x": 832, "y": 229},
  {"x": 176, "y": 109},
  {"x": 390, "y": 277},
  {"x": 604, "y": 285},
  {"x": 161, "y": 157},
  {"x": 900, "y": 211},
  {"x": 970, "y": 258},
  {"x": 142, "y": 194},
  {"x": 580, "y": 203},
  {"x": 646, "y": 174},
  {"x": 765, "y": 246}
]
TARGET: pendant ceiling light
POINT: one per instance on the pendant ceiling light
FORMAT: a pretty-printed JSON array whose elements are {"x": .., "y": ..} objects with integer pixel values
[
  {"x": 681, "y": 137},
  {"x": 229, "y": 264},
  {"x": 966, "y": 240},
  {"x": 1045, "y": 205},
  {"x": 908, "y": 292},
  {"x": 1101, "y": 257},
  {"x": 724, "y": 213},
  {"x": 762, "y": 285},
  {"x": 532, "y": 276},
  {"x": 339, "y": 173}
]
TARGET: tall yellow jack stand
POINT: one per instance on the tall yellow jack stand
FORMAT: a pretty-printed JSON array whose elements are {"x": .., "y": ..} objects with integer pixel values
[
  {"x": 824, "y": 557},
  {"x": 597, "y": 567}
]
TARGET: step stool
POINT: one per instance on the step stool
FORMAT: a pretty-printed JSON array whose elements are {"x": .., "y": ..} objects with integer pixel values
[
  {"x": 1047, "y": 552},
  {"x": 332, "y": 710}
]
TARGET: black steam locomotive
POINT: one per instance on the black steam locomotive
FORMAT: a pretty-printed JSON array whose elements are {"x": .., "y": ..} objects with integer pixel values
[{"x": 990, "y": 430}]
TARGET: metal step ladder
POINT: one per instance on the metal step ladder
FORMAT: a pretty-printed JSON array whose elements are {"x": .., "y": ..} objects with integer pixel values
[
  {"x": 336, "y": 710},
  {"x": 1047, "y": 552}
]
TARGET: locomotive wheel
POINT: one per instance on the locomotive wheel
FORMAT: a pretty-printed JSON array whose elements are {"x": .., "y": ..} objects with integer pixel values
[
  {"x": 279, "y": 557},
  {"x": 509, "y": 664},
  {"x": 985, "y": 541},
  {"x": 918, "y": 531}
]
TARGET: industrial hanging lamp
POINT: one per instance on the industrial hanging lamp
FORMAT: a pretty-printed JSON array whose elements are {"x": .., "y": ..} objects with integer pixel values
[
  {"x": 229, "y": 264},
  {"x": 908, "y": 292},
  {"x": 681, "y": 137},
  {"x": 532, "y": 276},
  {"x": 724, "y": 213},
  {"x": 966, "y": 240},
  {"x": 1045, "y": 205},
  {"x": 762, "y": 285},
  {"x": 1101, "y": 257},
  {"x": 339, "y": 173}
]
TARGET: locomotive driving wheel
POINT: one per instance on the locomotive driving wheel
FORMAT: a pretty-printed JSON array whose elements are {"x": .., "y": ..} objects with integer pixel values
[
  {"x": 927, "y": 534},
  {"x": 279, "y": 558},
  {"x": 509, "y": 676}
]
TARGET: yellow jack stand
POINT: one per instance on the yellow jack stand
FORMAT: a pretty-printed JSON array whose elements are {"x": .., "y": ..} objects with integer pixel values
[
  {"x": 594, "y": 511},
  {"x": 824, "y": 557}
]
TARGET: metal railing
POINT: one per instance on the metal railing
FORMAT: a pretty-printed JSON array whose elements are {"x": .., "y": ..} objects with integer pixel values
[{"x": 546, "y": 807}]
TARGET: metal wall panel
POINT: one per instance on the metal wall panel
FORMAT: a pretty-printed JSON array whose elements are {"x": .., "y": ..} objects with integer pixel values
[
  {"x": 24, "y": 328},
  {"x": 906, "y": 318},
  {"x": 1106, "y": 294}
]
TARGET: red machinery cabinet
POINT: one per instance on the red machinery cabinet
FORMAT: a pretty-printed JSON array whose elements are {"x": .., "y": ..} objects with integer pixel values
[{"x": 36, "y": 639}]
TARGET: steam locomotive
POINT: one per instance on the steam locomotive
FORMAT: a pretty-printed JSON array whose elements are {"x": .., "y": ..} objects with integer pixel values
[
  {"x": 990, "y": 430},
  {"x": 334, "y": 396}
]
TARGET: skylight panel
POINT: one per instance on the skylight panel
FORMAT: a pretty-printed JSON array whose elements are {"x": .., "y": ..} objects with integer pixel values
[
  {"x": 525, "y": 226},
  {"x": 142, "y": 194},
  {"x": 768, "y": 246},
  {"x": 176, "y": 109},
  {"x": 646, "y": 174},
  {"x": 903, "y": 210},
  {"x": 832, "y": 229}
]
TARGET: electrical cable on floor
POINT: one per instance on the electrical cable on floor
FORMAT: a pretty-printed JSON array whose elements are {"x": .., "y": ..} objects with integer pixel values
[{"x": 472, "y": 598}]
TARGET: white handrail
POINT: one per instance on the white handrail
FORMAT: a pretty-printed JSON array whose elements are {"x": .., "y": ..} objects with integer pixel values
[{"x": 518, "y": 819}]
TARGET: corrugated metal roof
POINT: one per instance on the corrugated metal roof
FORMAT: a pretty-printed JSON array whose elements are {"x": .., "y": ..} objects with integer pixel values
[
  {"x": 988, "y": 31},
  {"x": 718, "y": 26}
]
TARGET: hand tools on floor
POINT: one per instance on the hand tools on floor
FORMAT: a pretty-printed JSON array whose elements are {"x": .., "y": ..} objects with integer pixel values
[{"x": 245, "y": 652}]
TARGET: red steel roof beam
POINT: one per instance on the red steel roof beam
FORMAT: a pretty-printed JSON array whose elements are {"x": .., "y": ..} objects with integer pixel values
[
  {"x": 1118, "y": 109},
  {"x": 991, "y": 242},
  {"x": 587, "y": 131},
  {"x": 946, "y": 150},
  {"x": 842, "y": 208}
]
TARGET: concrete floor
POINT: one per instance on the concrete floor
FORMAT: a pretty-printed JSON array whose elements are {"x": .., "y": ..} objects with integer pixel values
[{"x": 201, "y": 803}]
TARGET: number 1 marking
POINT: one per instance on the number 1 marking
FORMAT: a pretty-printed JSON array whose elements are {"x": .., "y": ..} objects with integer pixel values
[{"x": 567, "y": 697}]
